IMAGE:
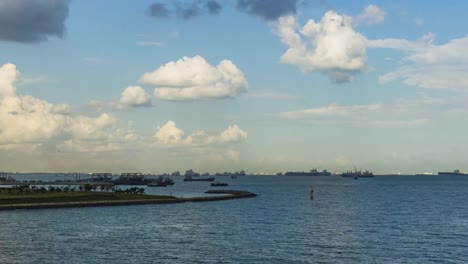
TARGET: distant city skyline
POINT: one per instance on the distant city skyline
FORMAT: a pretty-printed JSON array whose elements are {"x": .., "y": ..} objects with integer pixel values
[{"x": 262, "y": 86}]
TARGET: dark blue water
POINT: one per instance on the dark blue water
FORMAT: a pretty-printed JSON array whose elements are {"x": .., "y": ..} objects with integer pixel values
[{"x": 393, "y": 219}]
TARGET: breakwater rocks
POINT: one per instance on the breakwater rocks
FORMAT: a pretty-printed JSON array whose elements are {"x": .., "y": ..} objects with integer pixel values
[{"x": 229, "y": 195}]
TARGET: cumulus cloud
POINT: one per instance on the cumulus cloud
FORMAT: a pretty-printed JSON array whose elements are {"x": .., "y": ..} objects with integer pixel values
[
  {"x": 131, "y": 97},
  {"x": 195, "y": 79},
  {"x": 61, "y": 109},
  {"x": 84, "y": 127},
  {"x": 8, "y": 76},
  {"x": 268, "y": 9},
  {"x": 25, "y": 119},
  {"x": 30, "y": 21},
  {"x": 170, "y": 134},
  {"x": 428, "y": 65},
  {"x": 330, "y": 46},
  {"x": 134, "y": 96},
  {"x": 232, "y": 133},
  {"x": 371, "y": 15}
]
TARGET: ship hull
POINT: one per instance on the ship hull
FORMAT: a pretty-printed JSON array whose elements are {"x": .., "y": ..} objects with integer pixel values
[
  {"x": 200, "y": 179},
  {"x": 452, "y": 174}
]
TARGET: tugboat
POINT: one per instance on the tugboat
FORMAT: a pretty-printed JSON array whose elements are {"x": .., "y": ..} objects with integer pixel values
[{"x": 219, "y": 184}]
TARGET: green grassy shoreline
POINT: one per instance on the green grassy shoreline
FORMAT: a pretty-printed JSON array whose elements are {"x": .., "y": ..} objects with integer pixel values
[
  {"x": 87, "y": 199},
  {"x": 8, "y": 199}
]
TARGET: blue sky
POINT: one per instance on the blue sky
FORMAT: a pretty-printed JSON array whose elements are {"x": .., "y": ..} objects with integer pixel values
[{"x": 158, "y": 86}]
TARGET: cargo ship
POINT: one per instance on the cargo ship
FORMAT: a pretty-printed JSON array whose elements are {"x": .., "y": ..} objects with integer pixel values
[
  {"x": 357, "y": 174},
  {"x": 452, "y": 173},
  {"x": 313, "y": 172}
]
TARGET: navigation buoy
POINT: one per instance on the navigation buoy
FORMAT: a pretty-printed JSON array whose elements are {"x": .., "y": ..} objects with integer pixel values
[{"x": 311, "y": 193}]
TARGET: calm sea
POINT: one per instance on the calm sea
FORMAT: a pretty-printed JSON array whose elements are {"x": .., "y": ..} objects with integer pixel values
[{"x": 386, "y": 219}]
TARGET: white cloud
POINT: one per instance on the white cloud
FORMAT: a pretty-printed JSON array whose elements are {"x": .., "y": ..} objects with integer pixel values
[
  {"x": 371, "y": 15},
  {"x": 8, "y": 76},
  {"x": 232, "y": 133},
  {"x": 402, "y": 113},
  {"x": 170, "y": 134},
  {"x": 195, "y": 79},
  {"x": 131, "y": 97},
  {"x": 332, "y": 110},
  {"x": 134, "y": 96},
  {"x": 428, "y": 65},
  {"x": 84, "y": 127},
  {"x": 24, "y": 118},
  {"x": 61, "y": 109},
  {"x": 28, "y": 120},
  {"x": 330, "y": 46}
]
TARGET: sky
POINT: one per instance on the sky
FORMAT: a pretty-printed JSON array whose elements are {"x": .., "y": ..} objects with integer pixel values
[{"x": 267, "y": 86}]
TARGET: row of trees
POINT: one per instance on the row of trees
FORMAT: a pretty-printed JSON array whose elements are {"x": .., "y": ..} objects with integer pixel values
[{"x": 24, "y": 189}]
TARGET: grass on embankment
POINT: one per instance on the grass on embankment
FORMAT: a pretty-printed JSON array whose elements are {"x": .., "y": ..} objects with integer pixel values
[{"x": 64, "y": 197}]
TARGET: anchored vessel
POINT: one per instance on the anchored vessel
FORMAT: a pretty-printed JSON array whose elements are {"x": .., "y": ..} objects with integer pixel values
[
  {"x": 357, "y": 174},
  {"x": 313, "y": 172},
  {"x": 190, "y": 178},
  {"x": 131, "y": 179},
  {"x": 190, "y": 175},
  {"x": 453, "y": 173},
  {"x": 161, "y": 182},
  {"x": 219, "y": 184}
]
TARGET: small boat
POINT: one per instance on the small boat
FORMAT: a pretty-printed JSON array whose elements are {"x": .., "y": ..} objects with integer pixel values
[
  {"x": 219, "y": 184},
  {"x": 156, "y": 184},
  {"x": 233, "y": 177},
  {"x": 161, "y": 182}
]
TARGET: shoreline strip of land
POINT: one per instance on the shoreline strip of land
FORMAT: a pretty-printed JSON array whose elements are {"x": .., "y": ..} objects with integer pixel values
[{"x": 229, "y": 195}]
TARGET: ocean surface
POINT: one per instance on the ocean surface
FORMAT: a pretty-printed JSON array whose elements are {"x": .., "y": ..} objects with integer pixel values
[{"x": 386, "y": 219}]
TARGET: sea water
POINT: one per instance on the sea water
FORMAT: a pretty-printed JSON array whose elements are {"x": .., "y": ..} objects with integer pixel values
[{"x": 386, "y": 219}]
